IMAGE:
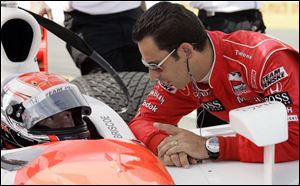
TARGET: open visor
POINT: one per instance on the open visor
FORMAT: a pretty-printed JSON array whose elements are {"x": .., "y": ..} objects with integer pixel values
[{"x": 53, "y": 101}]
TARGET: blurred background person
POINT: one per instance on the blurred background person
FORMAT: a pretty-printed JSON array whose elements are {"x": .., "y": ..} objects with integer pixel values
[
  {"x": 229, "y": 16},
  {"x": 106, "y": 26}
]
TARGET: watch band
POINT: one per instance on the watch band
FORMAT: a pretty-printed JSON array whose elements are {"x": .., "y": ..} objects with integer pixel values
[{"x": 213, "y": 156}]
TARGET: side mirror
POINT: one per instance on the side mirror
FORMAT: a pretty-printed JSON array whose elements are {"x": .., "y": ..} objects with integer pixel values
[{"x": 265, "y": 124}]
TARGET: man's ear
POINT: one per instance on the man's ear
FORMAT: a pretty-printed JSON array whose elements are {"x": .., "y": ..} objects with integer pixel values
[{"x": 187, "y": 49}]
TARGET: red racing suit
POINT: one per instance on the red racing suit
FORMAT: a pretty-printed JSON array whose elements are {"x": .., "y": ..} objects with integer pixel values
[{"x": 248, "y": 68}]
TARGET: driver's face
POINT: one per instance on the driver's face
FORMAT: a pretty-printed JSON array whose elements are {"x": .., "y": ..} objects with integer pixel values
[{"x": 58, "y": 121}]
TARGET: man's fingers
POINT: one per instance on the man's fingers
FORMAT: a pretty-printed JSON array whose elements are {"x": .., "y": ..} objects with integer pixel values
[
  {"x": 174, "y": 150},
  {"x": 179, "y": 160},
  {"x": 164, "y": 142},
  {"x": 49, "y": 13},
  {"x": 46, "y": 11},
  {"x": 168, "y": 128},
  {"x": 41, "y": 8},
  {"x": 179, "y": 150},
  {"x": 175, "y": 159},
  {"x": 165, "y": 145},
  {"x": 193, "y": 161},
  {"x": 166, "y": 160},
  {"x": 183, "y": 157}
]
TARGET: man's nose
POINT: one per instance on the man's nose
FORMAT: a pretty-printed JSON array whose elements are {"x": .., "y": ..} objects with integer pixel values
[
  {"x": 154, "y": 74},
  {"x": 65, "y": 118}
]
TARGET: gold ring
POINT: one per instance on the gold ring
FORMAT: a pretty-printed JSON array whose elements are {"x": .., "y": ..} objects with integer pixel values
[{"x": 174, "y": 142}]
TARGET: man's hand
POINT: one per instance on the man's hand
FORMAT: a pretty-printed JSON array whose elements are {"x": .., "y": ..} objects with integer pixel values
[
  {"x": 181, "y": 141},
  {"x": 41, "y": 8},
  {"x": 179, "y": 160}
]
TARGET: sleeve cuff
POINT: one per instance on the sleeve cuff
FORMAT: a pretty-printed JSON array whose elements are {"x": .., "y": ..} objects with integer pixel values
[
  {"x": 228, "y": 148},
  {"x": 155, "y": 141}
]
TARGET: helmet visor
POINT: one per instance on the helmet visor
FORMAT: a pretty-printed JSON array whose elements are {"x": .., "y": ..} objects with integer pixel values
[{"x": 51, "y": 102}]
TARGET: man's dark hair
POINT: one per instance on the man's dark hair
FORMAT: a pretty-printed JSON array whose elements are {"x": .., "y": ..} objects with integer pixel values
[{"x": 170, "y": 25}]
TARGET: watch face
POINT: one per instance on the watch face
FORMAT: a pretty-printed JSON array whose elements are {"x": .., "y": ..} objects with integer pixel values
[{"x": 212, "y": 144}]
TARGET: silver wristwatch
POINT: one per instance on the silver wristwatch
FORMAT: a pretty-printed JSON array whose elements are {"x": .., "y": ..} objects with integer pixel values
[{"x": 213, "y": 148}]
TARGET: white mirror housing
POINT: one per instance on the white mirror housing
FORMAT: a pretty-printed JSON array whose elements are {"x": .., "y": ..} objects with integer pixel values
[{"x": 264, "y": 123}]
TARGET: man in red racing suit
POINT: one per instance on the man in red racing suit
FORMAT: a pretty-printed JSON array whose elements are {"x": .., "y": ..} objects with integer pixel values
[{"x": 247, "y": 68}]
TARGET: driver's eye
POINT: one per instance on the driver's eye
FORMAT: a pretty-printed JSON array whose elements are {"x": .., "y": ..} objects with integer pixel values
[{"x": 67, "y": 115}]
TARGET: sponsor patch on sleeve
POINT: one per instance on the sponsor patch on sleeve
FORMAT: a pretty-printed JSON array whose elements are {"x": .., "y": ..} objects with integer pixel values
[
  {"x": 214, "y": 106},
  {"x": 152, "y": 107},
  {"x": 293, "y": 118},
  {"x": 282, "y": 97},
  {"x": 237, "y": 83}
]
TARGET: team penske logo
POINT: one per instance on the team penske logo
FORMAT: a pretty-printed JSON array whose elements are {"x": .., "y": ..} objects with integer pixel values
[
  {"x": 273, "y": 77},
  {"x": 58, "y": 90},
  {"x": 237, "y": 83}
]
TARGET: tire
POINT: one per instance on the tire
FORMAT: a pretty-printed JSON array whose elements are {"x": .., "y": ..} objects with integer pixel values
[{"x": 103, "y": 87}]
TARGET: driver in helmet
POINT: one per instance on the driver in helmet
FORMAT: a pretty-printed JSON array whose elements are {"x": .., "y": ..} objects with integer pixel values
[{"x": 40, "y": 107}]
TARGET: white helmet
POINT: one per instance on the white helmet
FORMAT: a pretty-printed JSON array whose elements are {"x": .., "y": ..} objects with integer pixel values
[{"x": 41, "y": 107}]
